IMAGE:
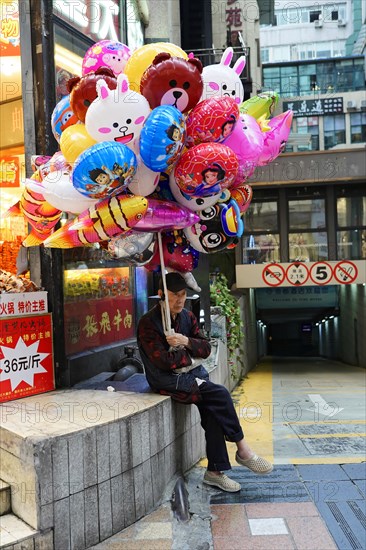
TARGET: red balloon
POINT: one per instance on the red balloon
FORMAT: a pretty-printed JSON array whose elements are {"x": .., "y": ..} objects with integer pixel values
[
  {"x": 212, "y": 120},
  {"x": 206, "y": 169},
  {"x": 83, "y": 90},
  {"x": 178, "y": 256},
  {"x": 172, "y": 81}
]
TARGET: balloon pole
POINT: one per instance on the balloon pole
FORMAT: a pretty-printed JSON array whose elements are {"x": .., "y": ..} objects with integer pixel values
[{"x": 165, "y": 303}]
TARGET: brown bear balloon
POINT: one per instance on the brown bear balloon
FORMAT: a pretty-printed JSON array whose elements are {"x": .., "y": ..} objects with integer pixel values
[
  {"x": 83, "y": 89},
  {"x": 172, "y": 81}
]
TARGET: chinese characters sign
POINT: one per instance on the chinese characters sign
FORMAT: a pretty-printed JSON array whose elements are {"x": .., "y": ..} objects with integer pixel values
[
  {"x": 9, "y": 29},
  {"x": 314, "y": 107},
  {"x": 98, "y": 19},
  {"x": 14, "y": 304},
  {"x": 9, "y": 172},
  {"x": 93, "y": 323},
  {"x": 26, "y": 356}
]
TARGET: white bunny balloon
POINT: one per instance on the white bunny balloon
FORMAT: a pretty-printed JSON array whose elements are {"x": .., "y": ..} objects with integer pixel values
[{"x": 222, "y": 80}]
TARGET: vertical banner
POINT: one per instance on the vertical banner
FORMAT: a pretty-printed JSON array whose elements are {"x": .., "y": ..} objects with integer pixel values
[{"x": 26, "y": 356}]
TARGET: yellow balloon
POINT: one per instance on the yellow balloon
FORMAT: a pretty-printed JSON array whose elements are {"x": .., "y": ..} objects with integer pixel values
[
  {"x": 74, "y": 140},
  {"x": 142, "y": 58}
]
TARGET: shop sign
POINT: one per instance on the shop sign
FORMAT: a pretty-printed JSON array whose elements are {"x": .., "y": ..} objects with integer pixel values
[
  {"x": 9, "y": 29},
  {"x": 94, "y": 323},
  {"x": 315, "y": 107},
  {"x": 296, "y": 298},
  {"x": 9, "y": 172},
  {"x": 98, "y": 19},
  {"x": 26, "y": 356},
  {"x": 14, "y": 304},
  {"x": 11, "y": 116}
]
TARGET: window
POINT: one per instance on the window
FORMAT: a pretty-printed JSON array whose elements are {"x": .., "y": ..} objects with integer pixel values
[
  {"x": 334, "y": 15},
  {"x": 334, "y": 130},
  {"x": 315, "y": 16},
  {"x": 351, "y": 221},
  {"x": 309, "y": 125},
  {"x": 265, "y": 55},
  {"x": 358, "y": 127},
  {"x": 261, "y": 240},
  {"x": 307, "y": 235}
]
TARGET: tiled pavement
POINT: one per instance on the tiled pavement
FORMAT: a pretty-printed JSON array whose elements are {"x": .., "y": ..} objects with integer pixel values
[{"x": 303, "y": 507}]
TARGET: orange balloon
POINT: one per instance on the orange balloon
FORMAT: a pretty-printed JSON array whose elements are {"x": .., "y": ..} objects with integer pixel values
[
  {"x": 142, "y": 58},
  {"x": 74, "y": 140}
]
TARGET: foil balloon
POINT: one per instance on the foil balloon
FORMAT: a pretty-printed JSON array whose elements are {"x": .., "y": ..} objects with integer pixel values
[
  {"x": 74, "y": 141},
  {"x": 192, "y": 203},
  {"x": 117, "y": 115},
  {"x": 104, "y": 169},
  {"x": 276, "y": 138},
  {"x": 177, "y": 253},
  {"x": 172, "y": 81},
  {"x": 142, "y": 58},
  {"x": 105, "y": 219},
  {"x": 206, "y": 169},
  {"x": 106, "y": 53},
  {"x": 166, "y": 216},
  {"x": 212, "y": 120},
  {"x": 58, "y": 190},
  {"x": 83, "y": 91},
  {"x": 222, "y": 80},
  {"x": 133, "y": 247},
  {"x": 246, "y": 141},
  {"x": 144, "y": 181},
  {"x": 261, "y": 105},
  {"x": 218, "y": 228},
  {"x": 162, "y": 137},
  {"x": 243, "y": 196},
  {"x": 40, "y": 215},
  {"x": 62, "y": 117}
]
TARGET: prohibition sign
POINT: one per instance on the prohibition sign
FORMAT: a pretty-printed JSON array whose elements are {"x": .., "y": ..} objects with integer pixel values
[
  {"x": 345, "y": 272},
  {"x": 297, "y": 274},
  {"x": 321, "y": 273},
  {"x": 273, "y": 274}
]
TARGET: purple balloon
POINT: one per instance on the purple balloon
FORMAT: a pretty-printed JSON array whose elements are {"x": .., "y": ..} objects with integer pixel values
[
  {"x": 166, "y": 216},
  {"x": 275, "y": 139}
]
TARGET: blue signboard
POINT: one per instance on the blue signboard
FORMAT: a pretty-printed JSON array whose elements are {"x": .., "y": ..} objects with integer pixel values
[{"x": 297, "y": 297}]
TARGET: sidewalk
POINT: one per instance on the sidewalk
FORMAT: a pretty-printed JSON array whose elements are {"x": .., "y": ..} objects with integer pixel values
[{"x": 302, "y": 507}]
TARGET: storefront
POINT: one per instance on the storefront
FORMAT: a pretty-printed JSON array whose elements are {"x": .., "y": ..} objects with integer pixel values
[{"x": 94, "y": 300}]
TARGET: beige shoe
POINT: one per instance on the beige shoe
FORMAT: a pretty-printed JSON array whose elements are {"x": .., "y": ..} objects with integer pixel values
[
  {"x": 221, "y": 481},
  {"x": 257, "y": 464}
]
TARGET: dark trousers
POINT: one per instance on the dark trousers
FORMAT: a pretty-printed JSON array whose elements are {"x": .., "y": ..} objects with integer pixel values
[{"x": 220, "y": 422}]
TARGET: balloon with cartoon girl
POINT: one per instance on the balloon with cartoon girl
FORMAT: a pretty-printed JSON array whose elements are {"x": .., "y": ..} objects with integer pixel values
[
  {"x": 162, "y": 137},
  {"x": 206, "y": 170},
  {"x": 212, "y": 120}
]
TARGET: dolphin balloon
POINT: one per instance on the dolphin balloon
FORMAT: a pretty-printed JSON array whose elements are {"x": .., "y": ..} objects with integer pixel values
[{"x": 166, "y": 216}]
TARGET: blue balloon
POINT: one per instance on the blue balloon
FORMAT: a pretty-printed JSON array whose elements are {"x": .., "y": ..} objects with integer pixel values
[
  {"x": 62, "y": 117},
  {"x": 104, "y": 169},
  {"x": 162, "y": 137}
]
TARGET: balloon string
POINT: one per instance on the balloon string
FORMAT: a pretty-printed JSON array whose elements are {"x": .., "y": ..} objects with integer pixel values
[{"x": 165, "y": 303}]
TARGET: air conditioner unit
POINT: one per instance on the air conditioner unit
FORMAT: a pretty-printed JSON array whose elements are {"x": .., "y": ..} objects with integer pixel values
[
  {"x": 351, "y": 105},
  {"x": 341, "y": 23},
  {"x": 318, "y": 23},
  {"x": 363, "y": 104}
]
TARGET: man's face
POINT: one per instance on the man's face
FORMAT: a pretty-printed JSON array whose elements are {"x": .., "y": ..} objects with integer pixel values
[{"x": 177, "y": 301}]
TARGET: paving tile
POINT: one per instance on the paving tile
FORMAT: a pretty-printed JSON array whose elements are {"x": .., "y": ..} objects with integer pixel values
[
  {"x": 343, "y": 522},
  {"x": 355, "y": 471},
  {"x": 263, "y": 492},
  {"x": 161, "y": 514},
  {"x": 333, "y": 491},
  {"x": 229, "y": 520},
  {"x": 361, "y": 484},
  {"x": 158, "y": 544},
  {"x": 282, "y": 472},
  {"x": 268, "y": 526},
  {"x": 282, "y": 509},
  {"x": 274, "y": 542},
  {"x": 316, "y": 537},
  {"x": 155, "y": 530},
  {"x": 321, "y": 472}
]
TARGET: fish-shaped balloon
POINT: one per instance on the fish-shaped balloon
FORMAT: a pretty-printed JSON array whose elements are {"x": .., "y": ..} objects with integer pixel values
[
  {"x": 166, "y": 216},
  {"x": 134, "y": 247},
  {"x": 41, "y": 216},
  {"x": 276, "y": 138},
  {"x": 107, "y": 218}
]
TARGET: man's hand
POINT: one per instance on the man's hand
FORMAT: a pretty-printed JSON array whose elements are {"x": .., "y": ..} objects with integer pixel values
[{"x": 177, "y": 339}]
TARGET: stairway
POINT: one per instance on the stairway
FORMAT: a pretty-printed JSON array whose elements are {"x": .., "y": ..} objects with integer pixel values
[{"x": 14, "y": 531}]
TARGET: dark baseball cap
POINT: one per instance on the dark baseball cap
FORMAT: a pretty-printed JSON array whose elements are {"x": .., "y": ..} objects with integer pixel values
[{"x": 174, "y": 282}]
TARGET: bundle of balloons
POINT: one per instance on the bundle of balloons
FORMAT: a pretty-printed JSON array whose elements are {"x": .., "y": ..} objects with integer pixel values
[{"x": 151, "y": 142}]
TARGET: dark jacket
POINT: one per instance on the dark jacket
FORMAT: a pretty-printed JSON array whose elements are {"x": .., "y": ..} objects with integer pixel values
[{"x": 160, "y": 363}]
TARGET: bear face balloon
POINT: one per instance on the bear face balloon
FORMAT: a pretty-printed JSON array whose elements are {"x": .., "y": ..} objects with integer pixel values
[
  {"x": 172, "y": 81},
  {"x": 218, "y": 228},
  {"x": 83, "y": 91},
  {"x": 117, "y": 115}
]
